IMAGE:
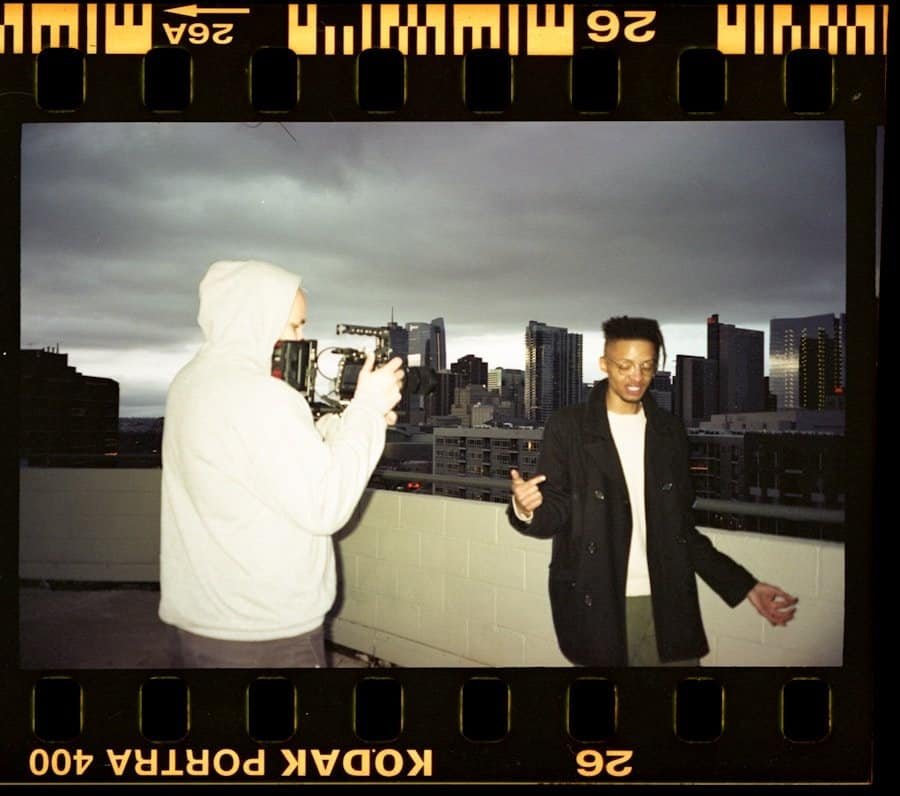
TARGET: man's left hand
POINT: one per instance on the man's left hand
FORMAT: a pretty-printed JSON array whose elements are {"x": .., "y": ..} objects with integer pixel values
[{"x": 772, "y": 603}]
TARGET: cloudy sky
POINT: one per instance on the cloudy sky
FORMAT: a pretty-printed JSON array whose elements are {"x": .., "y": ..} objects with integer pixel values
[{"x": 489, "y": 225}]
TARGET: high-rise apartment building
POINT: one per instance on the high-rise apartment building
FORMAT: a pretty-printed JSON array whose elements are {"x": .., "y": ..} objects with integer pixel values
[
  {"x": 553, "y": 370},
  {"x": 738, "y": 357},
  {"x": 808, "y": 361},
  {"x": 574, "y": 368}
]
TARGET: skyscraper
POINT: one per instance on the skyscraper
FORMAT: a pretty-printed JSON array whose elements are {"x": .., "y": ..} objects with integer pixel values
[
  {"x": 437, "y": 355},
  {"x": 399, "y": 340},
  {"x": 399, "y": 337},
  {"x": 807, "y": 360},
  {"x": 428, "y": 343},
  {"x": 470, "y": 370},
  {"x": 427, "y": 347},
  {"x": 574, "y": 368},
  {"x": 694, "y": 389},
  {"x": 738, "y": 354},
  {"x": 419, "y": 342},
  {"x": 441, "y": 401},
  {"x": 661, "y": 389},
  {"x": 553, "y": 370}
]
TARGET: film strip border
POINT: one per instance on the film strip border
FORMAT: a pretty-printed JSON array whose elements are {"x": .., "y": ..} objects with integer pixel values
[
  {"x": 138, "y": 62},
  {"x": 447, "y": 61},
  {"x": 435, "y": 28},
  {"x": 437, "y": 726}
]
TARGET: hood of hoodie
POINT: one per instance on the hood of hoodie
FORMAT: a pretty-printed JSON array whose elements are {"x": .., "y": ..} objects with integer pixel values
[{"x": 244, "y": 306}]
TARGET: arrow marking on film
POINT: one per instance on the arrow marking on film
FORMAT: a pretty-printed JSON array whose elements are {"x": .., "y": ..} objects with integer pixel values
[{"x": 194, "y": 11}]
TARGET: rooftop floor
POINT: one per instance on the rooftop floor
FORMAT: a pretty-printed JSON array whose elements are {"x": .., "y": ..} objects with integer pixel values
[{"x": 110, "y": 628}]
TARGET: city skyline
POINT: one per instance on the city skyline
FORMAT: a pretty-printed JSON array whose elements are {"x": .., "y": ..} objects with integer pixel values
[
  {"x": 485, "y": 225},
  {"x": 669, "y": 369}
]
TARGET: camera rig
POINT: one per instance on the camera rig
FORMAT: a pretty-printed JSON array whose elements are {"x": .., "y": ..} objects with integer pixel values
[{"x": 297, "y": 363}]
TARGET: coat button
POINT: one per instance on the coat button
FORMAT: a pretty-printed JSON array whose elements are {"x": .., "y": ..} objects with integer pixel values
[
  {"x": 599, "y": 494},
  {"x": 667, "y": 487},
  {"x": 588, "y": 600},
  {"x": 627, "y": 503},
  {"x": 681, "y": 539},
  {"x": 592, "y": 547}
]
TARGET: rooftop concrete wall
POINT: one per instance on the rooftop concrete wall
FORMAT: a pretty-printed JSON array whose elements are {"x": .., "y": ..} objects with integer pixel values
[{"x": 428, "y": 580}]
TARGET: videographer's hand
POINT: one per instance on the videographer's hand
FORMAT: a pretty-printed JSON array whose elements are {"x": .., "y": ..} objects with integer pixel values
[
  {"x": 380, "y": 387},
  {"x": 526, "y": 494}
]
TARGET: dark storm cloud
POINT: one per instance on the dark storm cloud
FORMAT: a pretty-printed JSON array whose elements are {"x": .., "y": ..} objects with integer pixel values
[{"x": 489, "y": 225}]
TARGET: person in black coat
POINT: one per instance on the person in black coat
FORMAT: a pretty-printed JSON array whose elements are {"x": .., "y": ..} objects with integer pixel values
[{"x": 614, "y": 493}]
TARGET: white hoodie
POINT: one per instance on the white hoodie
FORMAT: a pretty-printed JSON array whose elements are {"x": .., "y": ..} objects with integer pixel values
[{"x": 251, "y": 491}]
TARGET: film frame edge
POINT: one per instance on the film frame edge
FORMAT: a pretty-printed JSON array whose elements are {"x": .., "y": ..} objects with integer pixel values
[{"x": 220, "y": 51}]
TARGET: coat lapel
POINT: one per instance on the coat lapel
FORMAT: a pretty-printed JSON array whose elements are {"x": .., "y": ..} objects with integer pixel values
[
  {"x": 658, "y": 450},
  {"x": 597, "y": 440},
  {"x": 601, "y": 450}
]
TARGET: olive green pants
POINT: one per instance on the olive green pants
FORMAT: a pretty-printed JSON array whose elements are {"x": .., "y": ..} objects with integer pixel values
[{"x": 642, "y": 635}]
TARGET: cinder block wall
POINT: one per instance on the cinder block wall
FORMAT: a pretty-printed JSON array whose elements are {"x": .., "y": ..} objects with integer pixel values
[
  {"x": 86, "y": 524},
  {"x": 432, "y": 581},
  {"x": 810, "y": 570},
  {"x": 429, "y": 581},
  {"x": 442, "y": 581}
]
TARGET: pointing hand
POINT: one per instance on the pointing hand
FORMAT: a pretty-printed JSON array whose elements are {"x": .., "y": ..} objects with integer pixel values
[{"x": 526, "y": 494}]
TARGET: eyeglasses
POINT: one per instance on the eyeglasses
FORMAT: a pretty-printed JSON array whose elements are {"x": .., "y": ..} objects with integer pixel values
[{"x": 624, "y": 366}]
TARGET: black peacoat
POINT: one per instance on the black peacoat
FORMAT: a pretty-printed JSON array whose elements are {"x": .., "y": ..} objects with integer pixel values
[{"x": 586, "y": 512}]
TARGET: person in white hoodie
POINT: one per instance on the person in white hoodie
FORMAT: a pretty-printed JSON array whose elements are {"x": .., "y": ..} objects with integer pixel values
[{"x": 252, "y": 487}]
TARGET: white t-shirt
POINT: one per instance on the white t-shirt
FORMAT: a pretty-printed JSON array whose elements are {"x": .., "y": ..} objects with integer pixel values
[{"x": 628, "y": 434}]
